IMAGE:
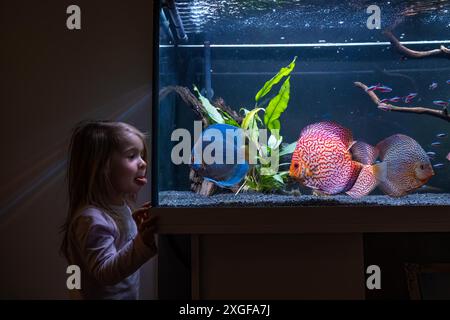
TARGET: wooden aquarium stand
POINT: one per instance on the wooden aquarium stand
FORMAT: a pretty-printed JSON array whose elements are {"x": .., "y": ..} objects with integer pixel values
[{"x": 288, "y": 252}]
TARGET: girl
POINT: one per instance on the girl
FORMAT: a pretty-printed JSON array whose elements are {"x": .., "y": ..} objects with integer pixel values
[{"x": 106, "y": 169}]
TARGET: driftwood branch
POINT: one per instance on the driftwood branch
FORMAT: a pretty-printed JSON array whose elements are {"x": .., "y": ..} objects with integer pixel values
[
  {"x": 189, "y": 99},
  {"x": 220, "y": 103},
  {"x": 413, "y": 53},
  {"x": 198, "y": 184},
  {"x": 442, "y": 114}
]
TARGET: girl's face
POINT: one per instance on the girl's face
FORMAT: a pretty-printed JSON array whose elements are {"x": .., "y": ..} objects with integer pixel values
[{"x": 128, "y": 169}]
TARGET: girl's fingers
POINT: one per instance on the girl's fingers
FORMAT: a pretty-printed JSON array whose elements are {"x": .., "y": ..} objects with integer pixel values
[
  {"x": 147, "y": 204},
  {"x": 149, "y": 221},
  {"x": 140, "y": 212}
]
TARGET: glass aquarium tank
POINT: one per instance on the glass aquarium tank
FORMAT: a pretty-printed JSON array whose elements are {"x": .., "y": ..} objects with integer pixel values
[{"x": 301, "y": 103}]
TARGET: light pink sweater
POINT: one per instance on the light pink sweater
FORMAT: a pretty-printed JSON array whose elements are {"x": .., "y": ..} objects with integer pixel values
[{"x": 109, "y": 252}]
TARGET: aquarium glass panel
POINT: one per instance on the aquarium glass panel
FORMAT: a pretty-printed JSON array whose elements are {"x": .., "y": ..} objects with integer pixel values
[{"x": 303, "y": 103}]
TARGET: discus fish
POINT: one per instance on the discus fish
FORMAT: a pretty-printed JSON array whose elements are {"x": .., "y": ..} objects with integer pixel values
[
  {"x": 322, "y": 160},
  {"x": 427, "y": 188},
  {"x": 404, "y": 165},
  {"x": 448, "y": 156},
  {"x": 327, "y": 160},
  {"x": 219, "y": 155}
]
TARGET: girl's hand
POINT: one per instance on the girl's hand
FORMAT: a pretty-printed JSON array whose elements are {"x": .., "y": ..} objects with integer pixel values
[
  {"x": 146, "y": 223},
  {"x": 142, "y": 213},
  {"x": 148, "y": 230}
]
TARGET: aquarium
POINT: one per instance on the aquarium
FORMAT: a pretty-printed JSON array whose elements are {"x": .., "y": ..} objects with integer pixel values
[{"x": 317, "y": 103}]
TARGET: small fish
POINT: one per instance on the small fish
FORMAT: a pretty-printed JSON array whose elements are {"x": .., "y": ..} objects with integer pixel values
[
  {"x": 226, "y": 167},
  {"x": 378, "y": 87},
  {"x": 410, "y": 96},
  {"x": 384, "y": 89},
  {"x": 371, "y": 88},
  {"x": 436, "y": 144},
  {"x": 384, "y": 100},
  {"x": 431, "y": 154},
  {"x": 384, "y": 107},
  {"x": 438, "y": 165},
  {"x": 448, "y": 81},
  {"x": 441, "y": 135},
  {"x": 433, "y": 86},
  {"x": 441, "y": 103},
  {"x": 395, "y": 99}
]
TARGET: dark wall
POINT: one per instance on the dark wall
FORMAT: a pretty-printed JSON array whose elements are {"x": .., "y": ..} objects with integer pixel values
[{"x": 52, "y": 78}]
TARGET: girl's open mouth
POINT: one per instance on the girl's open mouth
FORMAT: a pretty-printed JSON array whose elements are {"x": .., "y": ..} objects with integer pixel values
[{"x": 141, "y": 180}]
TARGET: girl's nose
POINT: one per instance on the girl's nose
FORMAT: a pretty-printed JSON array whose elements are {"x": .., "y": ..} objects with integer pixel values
[{"x": 142, "y": 164}]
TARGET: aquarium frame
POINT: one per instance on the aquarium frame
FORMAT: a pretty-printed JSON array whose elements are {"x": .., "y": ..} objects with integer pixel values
[
  {"x": 154, "y": 113},
  {"x": 422, "y": 219}
]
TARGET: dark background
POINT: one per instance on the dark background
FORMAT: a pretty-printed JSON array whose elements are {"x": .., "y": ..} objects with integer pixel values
[{"x": 52, "y": 78}]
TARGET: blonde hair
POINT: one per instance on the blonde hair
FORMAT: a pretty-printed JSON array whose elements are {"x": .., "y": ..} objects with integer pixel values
[{"x": 88, "y": 170}]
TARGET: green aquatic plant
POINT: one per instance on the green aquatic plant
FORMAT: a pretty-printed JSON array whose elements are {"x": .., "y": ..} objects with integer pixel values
[
  {"x": 265, "y": 175},
  {"x": 214, "y": 114}
]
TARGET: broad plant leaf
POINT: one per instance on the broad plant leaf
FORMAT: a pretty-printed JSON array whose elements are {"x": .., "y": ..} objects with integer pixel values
[
  {"x": 209, "y": 108},
  {"x": 277, "y": 106},
  {"x": 285, "y": 71},
  {"x": 290, "y": 148}
]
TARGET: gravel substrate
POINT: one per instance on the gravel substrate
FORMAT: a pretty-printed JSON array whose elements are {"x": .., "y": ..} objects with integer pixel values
[{"x": 190, "y": 199}]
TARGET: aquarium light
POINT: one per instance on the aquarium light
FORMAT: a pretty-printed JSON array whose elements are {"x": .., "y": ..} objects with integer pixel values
[{"x": 295, "y": 45}]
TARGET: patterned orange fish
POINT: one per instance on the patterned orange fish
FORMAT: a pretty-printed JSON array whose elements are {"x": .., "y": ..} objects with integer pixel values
[
  {"x": 328, "y": 160},
  {"x": 322, "y": 160}
]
